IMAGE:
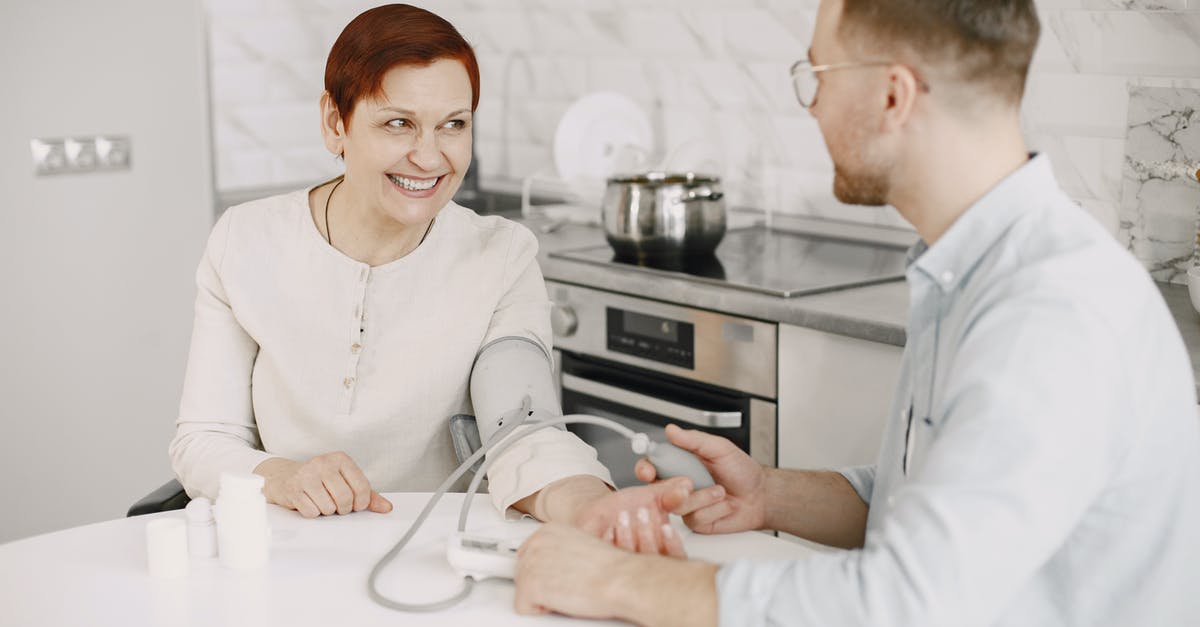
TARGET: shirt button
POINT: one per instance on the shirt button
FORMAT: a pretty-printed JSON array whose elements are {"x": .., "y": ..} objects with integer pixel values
[
  {"x": 947, "y": 276},
  {"x": 348, "y": 382},
  {"x": 355, "y": 348}
]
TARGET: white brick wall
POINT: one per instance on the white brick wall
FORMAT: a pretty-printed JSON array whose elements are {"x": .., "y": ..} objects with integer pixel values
[{"x": 709, "y": 69}]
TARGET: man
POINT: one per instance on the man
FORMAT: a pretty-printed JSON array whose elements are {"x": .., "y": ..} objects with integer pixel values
[{"x": 1041, "y": 463}]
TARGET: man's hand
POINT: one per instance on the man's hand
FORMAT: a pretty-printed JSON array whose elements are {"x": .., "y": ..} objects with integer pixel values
[
  {"x": 566, "y": 570},
  {"x": 738, "y": 500},
  {"x": 327, "y": 484}
]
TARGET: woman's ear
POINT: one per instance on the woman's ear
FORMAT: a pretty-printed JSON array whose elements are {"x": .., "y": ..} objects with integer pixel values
[{"x": 333, "y": 131}]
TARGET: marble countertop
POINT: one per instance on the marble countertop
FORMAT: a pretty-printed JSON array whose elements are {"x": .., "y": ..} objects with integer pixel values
[{"x": 877, "y": 313}]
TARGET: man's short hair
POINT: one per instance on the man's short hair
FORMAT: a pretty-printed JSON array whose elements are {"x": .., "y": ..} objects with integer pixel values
[{"x": 984, "y": 43}]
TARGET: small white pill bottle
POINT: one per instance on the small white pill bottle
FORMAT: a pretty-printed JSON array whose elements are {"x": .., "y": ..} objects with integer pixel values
[{"x": 243, "y": 537}]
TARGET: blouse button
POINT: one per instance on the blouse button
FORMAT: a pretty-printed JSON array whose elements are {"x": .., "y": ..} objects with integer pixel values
[
  {"x": 355, "y": 348},
  {"x": 348, "y": 382}
]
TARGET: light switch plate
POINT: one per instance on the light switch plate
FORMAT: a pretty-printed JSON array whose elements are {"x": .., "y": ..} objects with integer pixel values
[{"x": 81, "y": 154}]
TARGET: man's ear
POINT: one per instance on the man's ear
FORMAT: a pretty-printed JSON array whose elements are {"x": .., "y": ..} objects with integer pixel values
[
  {"x": 902, "y": 89},
  {"x": 333, "y": 131}
]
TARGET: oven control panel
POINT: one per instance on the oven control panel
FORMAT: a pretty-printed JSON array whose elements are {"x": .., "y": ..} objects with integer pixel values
[
  {"x": 710, "y": 347},
  {"x": 651, "y": 337}
]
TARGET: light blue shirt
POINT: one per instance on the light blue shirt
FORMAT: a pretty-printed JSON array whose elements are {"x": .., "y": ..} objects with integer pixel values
[{"x": 1050, "y": 472}]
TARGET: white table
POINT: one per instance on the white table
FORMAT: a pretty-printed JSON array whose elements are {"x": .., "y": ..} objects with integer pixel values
[{"x": 96, "y": 574}]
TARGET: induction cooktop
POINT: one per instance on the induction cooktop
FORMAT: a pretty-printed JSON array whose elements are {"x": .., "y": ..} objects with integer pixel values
[{"x": 769, "y": 261}]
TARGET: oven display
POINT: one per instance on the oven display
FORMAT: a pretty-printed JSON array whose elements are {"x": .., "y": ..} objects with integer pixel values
[{"x": 651, "y": 337}]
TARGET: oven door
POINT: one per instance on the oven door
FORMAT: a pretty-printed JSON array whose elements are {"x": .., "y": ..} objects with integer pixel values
[{"x": 646, "y": 402}]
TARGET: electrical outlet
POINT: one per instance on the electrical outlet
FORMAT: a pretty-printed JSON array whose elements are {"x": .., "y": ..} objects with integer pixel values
[
  {"x": 80, "y": 154},
  {"x": 49, "y": 156}
]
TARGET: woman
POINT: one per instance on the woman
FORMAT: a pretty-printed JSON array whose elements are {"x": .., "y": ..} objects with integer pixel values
[{"x": 337, "y": 327}]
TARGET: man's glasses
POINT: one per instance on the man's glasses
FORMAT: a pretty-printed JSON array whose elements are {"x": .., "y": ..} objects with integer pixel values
[{"x": 805, "y": 79}]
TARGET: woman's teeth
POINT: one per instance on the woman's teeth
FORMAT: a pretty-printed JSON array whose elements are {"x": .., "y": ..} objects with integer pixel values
[{"x": 415, "y": 185}]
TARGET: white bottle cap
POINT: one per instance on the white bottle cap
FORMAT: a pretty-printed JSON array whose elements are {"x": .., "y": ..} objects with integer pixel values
[
  {"x": 199, "y": 510},
  {"x": 240, "y": 483},
  {"x": 167, "y": 547}
]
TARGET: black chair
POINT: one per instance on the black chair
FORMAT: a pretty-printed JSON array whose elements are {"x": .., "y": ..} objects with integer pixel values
[
  {"x": 165, "y": 498},
  {"x": 464, "y": 433}
]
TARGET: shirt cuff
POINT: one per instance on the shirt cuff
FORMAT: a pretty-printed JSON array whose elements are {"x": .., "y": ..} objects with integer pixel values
[
  {"x": 536, "y": 461},
  {"x": 862, "y": 479}
]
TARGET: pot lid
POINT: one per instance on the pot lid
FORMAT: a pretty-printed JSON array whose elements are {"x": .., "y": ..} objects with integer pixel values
[{"x": 666, "y": 178}]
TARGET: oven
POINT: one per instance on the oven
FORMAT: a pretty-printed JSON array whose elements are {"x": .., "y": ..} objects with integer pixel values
[{"x": 646, "y": 364}]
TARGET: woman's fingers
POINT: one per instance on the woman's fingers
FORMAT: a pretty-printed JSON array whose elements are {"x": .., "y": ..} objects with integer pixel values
[
  {"x": 359, "y": 485},
  {"x": 301, "y": 503},
  {"x": 625, "y": 538},
  {"x": 339, "y": 491},
  {"x": 672, "y": 544},
  {"x": 378, "y": 504},
  {"x": 319, "y": 496},
  {"x": 647, "y": 532}
]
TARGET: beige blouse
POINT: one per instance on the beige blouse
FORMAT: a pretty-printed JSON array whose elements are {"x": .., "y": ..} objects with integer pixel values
[{"x": 298, "y": 350}]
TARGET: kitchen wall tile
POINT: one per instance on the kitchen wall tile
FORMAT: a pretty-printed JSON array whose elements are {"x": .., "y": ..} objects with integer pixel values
[
  {"x": 1130, "y": 42},
  {"x": 757, "y": 35},
  {"x": 1079, "y": 104},
  {"x": 1160, "y": 196},
  {"x": 712, "y": 77}
]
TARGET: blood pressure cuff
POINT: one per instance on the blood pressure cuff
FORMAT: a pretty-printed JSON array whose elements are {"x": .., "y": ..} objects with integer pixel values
[{"x": 506, "y": 371}]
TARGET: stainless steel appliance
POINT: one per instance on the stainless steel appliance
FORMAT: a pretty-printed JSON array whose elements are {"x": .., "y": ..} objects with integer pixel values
[
  {"x": 646, "y": 364},
  {"x": 778, "y": 263}
]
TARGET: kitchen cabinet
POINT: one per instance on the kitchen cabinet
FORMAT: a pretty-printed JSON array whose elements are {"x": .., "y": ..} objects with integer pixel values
[{"x": 834, "y": 394}]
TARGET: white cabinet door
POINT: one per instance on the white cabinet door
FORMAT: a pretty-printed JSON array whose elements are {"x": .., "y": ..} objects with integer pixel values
[{"x": 834, "y": 393}]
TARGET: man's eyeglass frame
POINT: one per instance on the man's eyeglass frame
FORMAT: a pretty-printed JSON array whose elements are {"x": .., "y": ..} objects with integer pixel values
[{"x": 804, "y": 66}]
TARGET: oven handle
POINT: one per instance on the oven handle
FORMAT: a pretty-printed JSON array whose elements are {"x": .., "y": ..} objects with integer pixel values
[{"x": 682, "y": 413}]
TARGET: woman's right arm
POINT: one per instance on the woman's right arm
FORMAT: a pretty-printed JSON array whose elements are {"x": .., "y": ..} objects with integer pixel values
[{"x": 215, "y": 431}]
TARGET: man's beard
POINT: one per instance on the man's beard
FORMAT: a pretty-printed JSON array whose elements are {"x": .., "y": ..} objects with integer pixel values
[{"x": 862, "y": 188}]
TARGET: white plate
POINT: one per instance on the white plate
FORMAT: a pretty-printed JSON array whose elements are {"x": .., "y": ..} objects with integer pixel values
[{"x": 599, "y": 134}]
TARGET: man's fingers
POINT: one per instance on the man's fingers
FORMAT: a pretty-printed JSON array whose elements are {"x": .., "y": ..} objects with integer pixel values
[
  {"x": 378, "y": 504},
  {"x": 645, "y": 471},
  {"x": 704, "y": 520},
  {"x": 700, "y": 499},
  {"x": 704, "y": 445}
]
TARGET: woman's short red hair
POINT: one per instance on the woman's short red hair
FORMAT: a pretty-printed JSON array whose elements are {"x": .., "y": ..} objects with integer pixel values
[{"x": 384, "y": 37}]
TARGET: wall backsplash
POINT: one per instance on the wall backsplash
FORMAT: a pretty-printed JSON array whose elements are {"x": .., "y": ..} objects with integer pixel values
[{"x": 716, "y": 70}]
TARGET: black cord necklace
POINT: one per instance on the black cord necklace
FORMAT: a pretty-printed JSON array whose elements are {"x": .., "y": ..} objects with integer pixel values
[{"x": 329, "y": 236}]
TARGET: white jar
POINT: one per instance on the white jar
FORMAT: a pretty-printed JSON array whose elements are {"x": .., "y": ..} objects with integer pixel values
[
  {"x": 241, "y": 512},
  {"x": 201, "y": 529}
]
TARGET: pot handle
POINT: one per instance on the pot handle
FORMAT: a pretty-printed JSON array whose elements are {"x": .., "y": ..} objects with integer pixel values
[{"x": 704, "y": 194}]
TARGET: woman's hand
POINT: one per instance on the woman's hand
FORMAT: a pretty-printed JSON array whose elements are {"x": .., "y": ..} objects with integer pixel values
[
  {"x": 326, "y": 484},
  {"x": 635, "y": 519},
  {"x": 738, "y": 500}
]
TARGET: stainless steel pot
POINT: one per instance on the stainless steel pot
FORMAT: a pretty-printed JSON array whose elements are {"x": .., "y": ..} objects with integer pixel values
[{"x": 664, "y": 215}]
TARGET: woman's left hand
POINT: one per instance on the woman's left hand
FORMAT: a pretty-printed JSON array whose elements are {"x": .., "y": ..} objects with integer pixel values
[{"x": 636, "y": 518}]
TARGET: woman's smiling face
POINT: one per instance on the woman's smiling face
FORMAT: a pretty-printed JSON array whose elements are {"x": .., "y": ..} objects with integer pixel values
[{"x": 407, "y": 150}]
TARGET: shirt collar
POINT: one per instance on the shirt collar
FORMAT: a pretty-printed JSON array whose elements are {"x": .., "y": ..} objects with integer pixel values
[{"x": 970, "y": 236}]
